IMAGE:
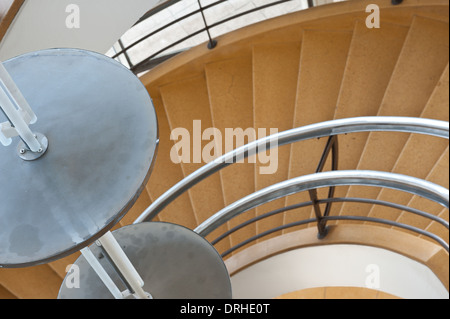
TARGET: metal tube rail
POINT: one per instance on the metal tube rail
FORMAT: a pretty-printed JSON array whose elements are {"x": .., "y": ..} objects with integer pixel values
[
  {"x": 404, "y": 183},
  {"x": 16, "y": 109},
  {"x": 136, "y": 68},
  {"x": 333, "y": 147},
  {"x": 411, "y": 210},
  {"x": 395, "y": 224},
  {"x": 266, "y": 233},
  {"x": 324, "y": 129},
  {"x": 356, "y": 218},
  {"x": 261, "y": 217},
  {"x": 139, "y": 66},
  {"x": 186, "y": 16}
]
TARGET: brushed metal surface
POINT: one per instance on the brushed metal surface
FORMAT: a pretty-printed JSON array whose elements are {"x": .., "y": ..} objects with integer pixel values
[
  {"x": 173, "y": 261},
  {"x": 102, "y": 132}
]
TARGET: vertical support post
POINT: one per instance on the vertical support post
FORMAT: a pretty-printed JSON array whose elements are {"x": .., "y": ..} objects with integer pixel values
[
  {"x": 125, "y": 53},
  {"x": 332, "y": 146},
  {"x": 116, "y": 269},
  {"x": 102, "y": 274},
  {"x": 212, "y": 43},
  {"x": 321, "y": 226},
  {"x": 17, "y": 111},
  {"x": 124, "y": 265}
]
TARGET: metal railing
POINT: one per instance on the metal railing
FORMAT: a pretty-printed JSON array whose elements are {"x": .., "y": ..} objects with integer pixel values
[
  {"x": 329, "y": 218},
  {"x": 162, "y": 54},
  {"x": 310, "y": 183},
  {"x": 404, "y": 183}
]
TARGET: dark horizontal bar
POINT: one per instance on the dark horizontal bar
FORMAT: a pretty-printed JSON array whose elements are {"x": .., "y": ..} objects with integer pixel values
[
  {"x": 333, "y": 200},
  {"x": 138, "y": 65},
  {"x": 331, "y": 218},
  {"x": 392, "y": 223},
  {"x": 150, "y": 64},
  {"x": 260, "y": 217},
  {"x": 167, "y": 26},
  {"x": 153, "y": 33},
  {"x": 247, "y": 12},
  {"x": 266, "y": 233},
  {"x": 156, "y": 10},
  {"x": 414, "y": 211}
]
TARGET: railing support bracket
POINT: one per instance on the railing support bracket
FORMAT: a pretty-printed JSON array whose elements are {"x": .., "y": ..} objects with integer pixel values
[
  {"x": 323, "y": 233},
  {"x": 212, "y": 44}
]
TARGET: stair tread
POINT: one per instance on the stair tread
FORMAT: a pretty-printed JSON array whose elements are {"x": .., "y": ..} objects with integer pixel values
[
  {"x": 230, "y": 88},
  {"x": 371, "y": 61},
  {"x": 437, "y": 106},
  {"x": 418, "y": 70},
  {"x": 166, "y": 174},
  {"x": 59, "y": 266},
  {"x": 439, "y": 229},
  {"x": 6, "y": 294},
  {"x": 275, "y": 75},
  {"x": 32, "y": 282},
  {"x": 182, "y": 107},
  {"x": 322, "y": 64},
  {"x": 372, "y": 58},
  {"x": 439, "y": 175},
  {"x": 407, "y": 95}
]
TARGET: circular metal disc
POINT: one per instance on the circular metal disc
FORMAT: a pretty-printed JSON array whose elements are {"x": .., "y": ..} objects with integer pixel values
[
  {"x": 102, "y": 138},
  {"x": 173, "y": 261}
]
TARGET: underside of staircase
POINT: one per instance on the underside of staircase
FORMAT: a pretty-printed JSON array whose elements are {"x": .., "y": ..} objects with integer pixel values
[{"x": 303, "y": 68}]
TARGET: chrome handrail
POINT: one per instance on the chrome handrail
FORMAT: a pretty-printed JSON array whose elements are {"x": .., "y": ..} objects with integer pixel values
[
  {"x": 400, "y": 182},
  {"x": 324, "y": 129}
]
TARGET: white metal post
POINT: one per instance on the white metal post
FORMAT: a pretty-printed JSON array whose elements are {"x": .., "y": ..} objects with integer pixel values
[
  {"x": 18, "y": 113},
  {"x": 124, "y": 265},
  {"x": 101, "y": 272}
]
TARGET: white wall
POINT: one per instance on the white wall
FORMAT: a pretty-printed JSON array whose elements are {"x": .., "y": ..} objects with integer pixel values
[
  {"x": 41, "y": 24},
  {"x": 4, "y": 7},
  {"x": 338, "y": 266}
]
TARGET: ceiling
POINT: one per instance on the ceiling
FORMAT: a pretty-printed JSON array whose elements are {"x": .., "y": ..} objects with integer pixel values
[{"x": 47, "y": 24}]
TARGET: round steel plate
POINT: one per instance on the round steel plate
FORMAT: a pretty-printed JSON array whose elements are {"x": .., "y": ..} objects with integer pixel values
[
  {"x": 173, "y": 261},
  {"x": 102, "y": 138}
]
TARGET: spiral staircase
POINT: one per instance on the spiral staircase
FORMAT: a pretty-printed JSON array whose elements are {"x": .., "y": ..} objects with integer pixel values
[{"x": 308, "y": 67}]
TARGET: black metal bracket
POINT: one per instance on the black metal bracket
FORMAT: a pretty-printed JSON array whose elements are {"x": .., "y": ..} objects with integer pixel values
[
  {"x": 332, "y": 146},
  {"x": 105, "y": 254},
  {"x": 125, "y": 53},
  {"x": 212, "y": 43}
]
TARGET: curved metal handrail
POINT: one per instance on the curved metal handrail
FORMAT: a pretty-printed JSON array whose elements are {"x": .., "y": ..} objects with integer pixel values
[
  {"x": 324, "y": 129},
  {"x": 400, "y": 182}
]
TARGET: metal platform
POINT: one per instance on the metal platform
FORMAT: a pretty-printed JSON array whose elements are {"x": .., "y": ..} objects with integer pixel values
[
  {"x": 102, "y": 137},
  {"x": 173, "y": 261}
]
